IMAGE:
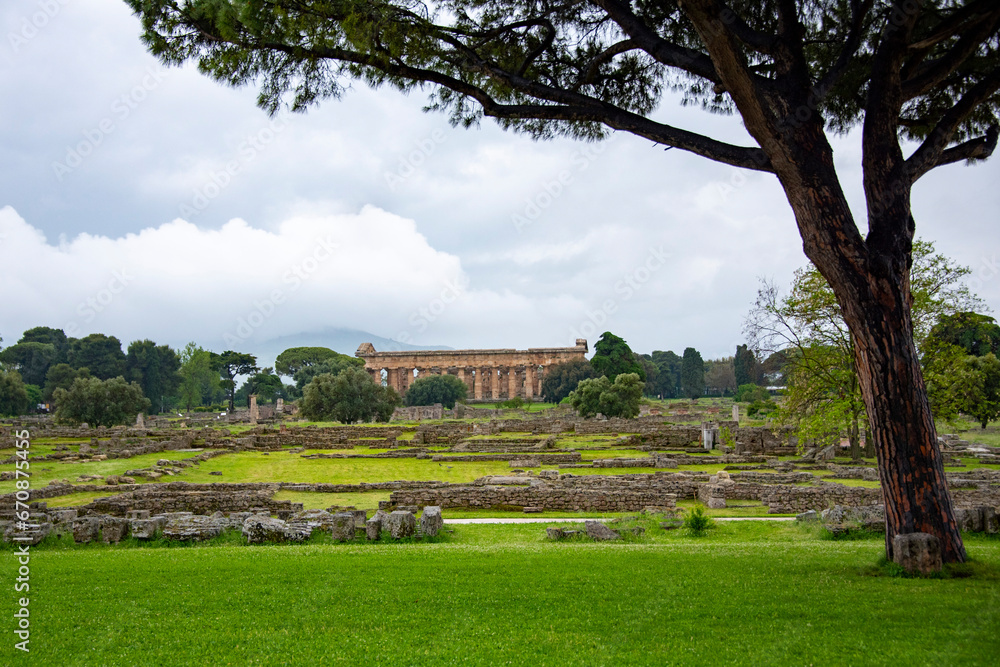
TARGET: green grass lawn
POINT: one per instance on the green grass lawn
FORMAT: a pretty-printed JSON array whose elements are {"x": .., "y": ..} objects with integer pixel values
[
  {"x": 42, "y": 472},
  {"x": 745, "y": 594}
]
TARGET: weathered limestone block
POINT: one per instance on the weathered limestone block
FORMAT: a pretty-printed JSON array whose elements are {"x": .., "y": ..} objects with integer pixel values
[
  {"x": 342, "y": 527},
  {"x": 360, "y": 518},
  {"x": 85, "y": 529},
  {"x": 195, "y": 528},
  {"x": 32, "y": 535},
  {"x": 62, "y": 516},
  {"x": 113, "y": 529},
  {"x": 146, "y": 529},
  {"x": 917, "y": 552},
  {"x": 809, "y": 515},
  {"x": 555, "y": 533},
  {"x": 259, "y": 529},
  {"x": 137, "y": 514},
  {"x": 400, "y": 524},
  {"x": 313, "y": 519},
  {"x": 431, "y": 521},
  {"x": 373, "y": 528},
  {"x": 599, "y": 532}
]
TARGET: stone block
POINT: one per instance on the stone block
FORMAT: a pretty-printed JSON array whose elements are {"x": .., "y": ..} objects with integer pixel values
[
  {"x": 137, "y": 514},
  {"x": 400, "y": 524},
  {"x": 969, "y": 520},
  {"x": 431, "y": 521},
  {"x": 373, "y": 528},
  {"x": 259, "y": 529},
  {"x": 113, "y": 529},
  {"x": 810, "y": 515},
  {"x": 85, "y": 529},
  {"x": 599, "y": 532},
  {"x": 146, "y": 529},
  {"x": 30, "y": 536},
  {"x": 193, "y": 528},
  {"x": 555, "y": 533},
  {"x": 917, "y": 552},
  {"x": 360, "y": 518},
  {"x": 342, "y": 527}
]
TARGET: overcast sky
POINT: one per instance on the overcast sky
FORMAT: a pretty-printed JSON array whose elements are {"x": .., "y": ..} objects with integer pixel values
[{"x": 144, "y": 202}]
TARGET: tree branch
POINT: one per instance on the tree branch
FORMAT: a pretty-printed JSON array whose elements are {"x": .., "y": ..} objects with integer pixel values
[
  {"x": 859, "y": 10},
  {"x": 931, "y": 152},
  {"x": 663, "y": 51}
]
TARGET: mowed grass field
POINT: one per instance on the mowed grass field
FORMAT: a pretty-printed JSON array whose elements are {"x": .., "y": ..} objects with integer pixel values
[{"x": 746, "y": 594}]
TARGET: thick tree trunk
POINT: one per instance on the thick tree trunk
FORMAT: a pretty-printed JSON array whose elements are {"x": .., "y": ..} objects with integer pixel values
[
  {"x": 910, "y": 464},
  {"x": 871, "y": 281}
]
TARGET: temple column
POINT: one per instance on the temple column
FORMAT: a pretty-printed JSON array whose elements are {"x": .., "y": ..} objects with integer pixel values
[
  {"x": 495, "y": 383},
  {"x": 511, "y": 382},
  {"x": 392, "y": 378},
  {"x": 377, "y": 375},
  {"x": 529, "y": 381},
  {"x": 477, "y": 389}
]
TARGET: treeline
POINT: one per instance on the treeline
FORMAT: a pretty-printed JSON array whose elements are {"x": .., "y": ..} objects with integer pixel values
[{"x": 80, "y": 377}]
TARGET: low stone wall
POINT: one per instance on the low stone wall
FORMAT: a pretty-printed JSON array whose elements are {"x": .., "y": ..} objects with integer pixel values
[
  {"x": 541, "y": 457},
  {"x": 519, "y": 497}
]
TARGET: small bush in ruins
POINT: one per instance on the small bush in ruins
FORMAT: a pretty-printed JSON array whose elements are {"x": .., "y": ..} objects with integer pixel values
[{"x": 697, "y": 522}]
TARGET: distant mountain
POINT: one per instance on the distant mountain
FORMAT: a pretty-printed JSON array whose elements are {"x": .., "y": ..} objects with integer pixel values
[{"x": 345, "y": 341}]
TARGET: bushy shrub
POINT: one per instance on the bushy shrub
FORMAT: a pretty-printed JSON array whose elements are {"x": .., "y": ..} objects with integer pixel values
[
  {"x": 100, "y": 402},
  {"x": 697, "y": 522},
  {"x": 748, "y": 393},
  {"x": 443, "y": 389},
  {"x": 350, "y": 396},
  {"x": 620, "y": 398}
]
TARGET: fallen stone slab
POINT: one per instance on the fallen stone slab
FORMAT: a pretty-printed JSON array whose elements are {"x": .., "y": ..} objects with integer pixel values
[
  {"x": 85, "y": 529},
  {"x": 259, "y": 529},
  {"x": 194, "y": 528},
  {"x": 146, "y": 529},
  {"x": 342, "y": 527},
  {"x": 599, "y": 532}
]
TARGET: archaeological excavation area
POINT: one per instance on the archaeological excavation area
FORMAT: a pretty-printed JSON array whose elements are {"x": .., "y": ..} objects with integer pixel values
[{"x": 283, "y": 480}]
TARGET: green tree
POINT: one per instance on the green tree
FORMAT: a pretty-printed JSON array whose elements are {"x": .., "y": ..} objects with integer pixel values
[
  {"x": 559, "y": 380},
  {"x": 668, "y": 374},
  {"x": 32, "y": 360},
  {"x": 443, "y": 389},
  {"x": 692, "y": 374},
  {"x": 976, "y": 334},
  {"x": 13, "y": 394},
  {"x": 720, "y": 377},
  {"x": 294, "y": 359},
  {"x": 333, "y": 365},
  {"x": 100, "y": 402},
  {"x": 34, "y": 396},
  {"x": 265, "y": 384},
  {"x": 824, "y": 397},
  {"x": 600, "y": 395},
  {"x": 613, "y": 356},
  {"x": 99, "y": 353},
  {"x": 61, "y": 376},
  {"x": 49, "y": 336},
  {"x": 231, "y": 365},
  {"x": 352, "y": 396},
  {"x": 155, "y": 368},
  {"x": 794, "y": 71},
  {"x": 199, "y": 377},
  {"x": 745, "y": 366}
]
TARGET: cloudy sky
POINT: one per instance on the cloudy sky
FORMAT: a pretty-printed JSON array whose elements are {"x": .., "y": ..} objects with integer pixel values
[{"x": 144, "y": 202}]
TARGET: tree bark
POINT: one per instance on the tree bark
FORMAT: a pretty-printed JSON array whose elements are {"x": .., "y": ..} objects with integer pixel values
[{"x": 911, "y": 468}]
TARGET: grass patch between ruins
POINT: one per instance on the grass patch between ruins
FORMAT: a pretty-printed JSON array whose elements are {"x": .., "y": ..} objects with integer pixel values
[{"x": 746, "y": 593}]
